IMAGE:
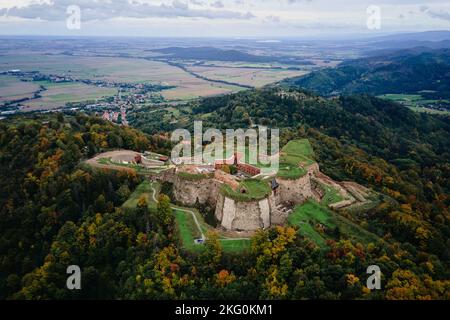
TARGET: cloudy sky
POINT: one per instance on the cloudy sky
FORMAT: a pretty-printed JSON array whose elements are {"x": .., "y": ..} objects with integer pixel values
[{"x": 221, "y": 18}]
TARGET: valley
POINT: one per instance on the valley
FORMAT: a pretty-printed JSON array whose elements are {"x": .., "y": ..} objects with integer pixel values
[{"x": 173, "y": 79}]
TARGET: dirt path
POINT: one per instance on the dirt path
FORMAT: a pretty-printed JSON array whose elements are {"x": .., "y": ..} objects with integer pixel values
[
  {"x": 116, "y": 154},
  {"x": 183, "y": 210},
  {"x": 195, "y": 219},
  {"x": 95, "y": 164}
]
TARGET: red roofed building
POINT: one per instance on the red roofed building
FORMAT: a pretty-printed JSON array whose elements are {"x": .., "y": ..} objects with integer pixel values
[
  {"x": 236, "y": 160},
  {"x": 249, "y": 169},
  {"x": 106, "y": 115}
]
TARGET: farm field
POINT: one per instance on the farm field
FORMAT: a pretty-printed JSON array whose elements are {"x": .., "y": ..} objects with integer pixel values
[
  {"x": 95, "y": 68},
  {"x": 246, "y": 76},
  {"x": 242, "y": 64},
  {"x": 189, "y": 89},
  {"x": 11, "y": 88},
  {"x": 402, "y": 97},
  {"x": 139, "y": 70},
  {"x": 117, "y": 69},
  {"x": 58, "y": 94}
]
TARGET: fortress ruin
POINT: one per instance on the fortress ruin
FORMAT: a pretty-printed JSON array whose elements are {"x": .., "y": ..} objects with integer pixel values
[{"x": 247, "y": 201}]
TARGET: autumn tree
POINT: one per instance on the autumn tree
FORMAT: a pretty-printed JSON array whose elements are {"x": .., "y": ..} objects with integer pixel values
[
  {"x": 212, "y": 253},
  {"x": 164, "y": 212}
]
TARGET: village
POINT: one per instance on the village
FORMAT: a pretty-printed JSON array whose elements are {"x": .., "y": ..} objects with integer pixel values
[{"x": 111, "y": 108}]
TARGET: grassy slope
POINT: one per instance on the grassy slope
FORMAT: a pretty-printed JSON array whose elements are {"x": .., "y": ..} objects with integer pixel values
[
  {"x": 300, "y": 147},
  {"x": 187, "y": 231},
  {"x": 143, "y": 190},
  {"x": 309, "y": 214},
  {"x": 331, "y": 195},
  {"x": 295, "y": 152}
]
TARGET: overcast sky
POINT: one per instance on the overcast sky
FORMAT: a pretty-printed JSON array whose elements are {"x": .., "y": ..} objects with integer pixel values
[{"x": 221, "y": 18}]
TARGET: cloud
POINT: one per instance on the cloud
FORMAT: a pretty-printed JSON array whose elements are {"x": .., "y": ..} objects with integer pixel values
[
  {"x": 442, "y": 15},
  {"x": 273, "y": 19},
  {"x": 424, "y": 8},
  {"x": 198, "y": 2},
  {"x": 180, "y": 5},
  {"x": 297, "y": 1},
  {"x": 104, "y": 9},
  {"x": 217, "y": 4}
]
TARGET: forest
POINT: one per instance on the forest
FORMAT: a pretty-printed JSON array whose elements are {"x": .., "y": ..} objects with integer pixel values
[
  {"x": 378, "y": 143},
  {"x": 56, "y": 211},
  {"x": 418, "y": 70}
]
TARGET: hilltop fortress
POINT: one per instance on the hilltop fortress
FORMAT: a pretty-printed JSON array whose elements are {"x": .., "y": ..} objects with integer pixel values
[{"x": 245, "y": 200}]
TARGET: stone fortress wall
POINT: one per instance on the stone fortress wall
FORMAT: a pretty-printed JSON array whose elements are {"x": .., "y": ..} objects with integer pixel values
[
  {"x": 234, "y": 215},
  {"x": 242, "y": 215},
  {"x": 189, "y": 192}
]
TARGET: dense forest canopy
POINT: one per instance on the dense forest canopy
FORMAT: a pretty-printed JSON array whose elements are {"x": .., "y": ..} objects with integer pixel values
[{"x": 44, "y": 184}]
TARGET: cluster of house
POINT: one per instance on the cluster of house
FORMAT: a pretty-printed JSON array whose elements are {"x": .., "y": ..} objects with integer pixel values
[{"x": 113, "y": 116}]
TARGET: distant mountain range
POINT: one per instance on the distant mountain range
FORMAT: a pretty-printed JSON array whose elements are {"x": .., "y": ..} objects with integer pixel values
[
  {"x": 216, "y": 54},
  {"x": 439, "y": 35},
  {"x": 408, "y": 71},
  {"x": 429, "y": 39}
]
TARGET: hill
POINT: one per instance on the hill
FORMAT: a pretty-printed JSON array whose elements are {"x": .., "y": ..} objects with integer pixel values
[
  {"x": 435, "y": 35},
  {"x": 57, "y": 212},
  {"x": 419, "y": 70},
  {"x": 377, "y": 143}
]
